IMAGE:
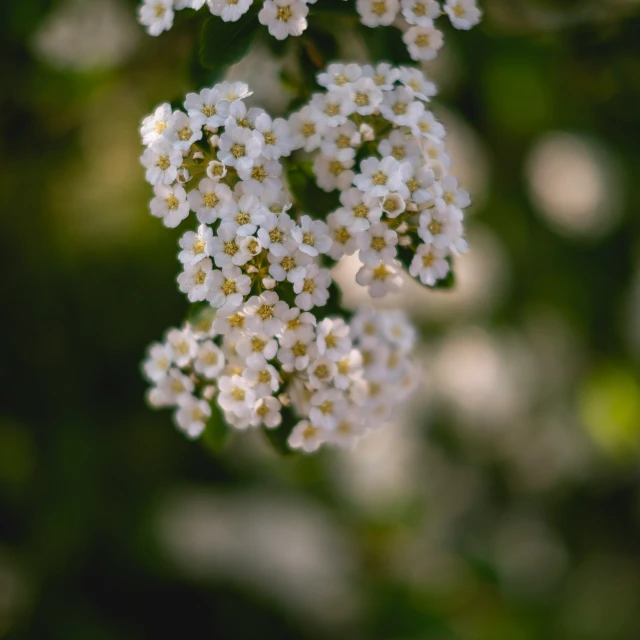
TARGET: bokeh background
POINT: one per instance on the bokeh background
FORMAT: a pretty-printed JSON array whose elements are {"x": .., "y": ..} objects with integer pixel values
[{"x": 504, "y": 504}]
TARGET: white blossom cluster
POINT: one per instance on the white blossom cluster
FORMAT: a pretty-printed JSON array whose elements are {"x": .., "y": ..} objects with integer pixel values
[
  {"x": 286, "y": 18},
  {"x": 337, "y": 380},
  {"x": 378, "y": 144}
]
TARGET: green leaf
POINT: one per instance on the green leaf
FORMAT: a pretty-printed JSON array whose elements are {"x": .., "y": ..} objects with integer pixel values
[
  {"x": 386, "y": 45},
  {"x": 217, "y": 432},
  {"x": 225, "y": 43},
  {"x": 333, "y": 7},
  {"x": 307, "y": 193},
  {"x": 278, "y": 437}
]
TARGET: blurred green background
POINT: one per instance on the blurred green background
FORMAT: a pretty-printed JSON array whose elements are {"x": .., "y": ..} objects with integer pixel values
[{"x": 505, "y": 501}]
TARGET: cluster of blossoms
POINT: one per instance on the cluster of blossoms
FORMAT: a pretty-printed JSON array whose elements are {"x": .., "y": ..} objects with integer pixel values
[
  {"x": 259, "y": 265},
  {"x": 286, "y": 18},
  {"x": 338, "y": 380},
  {"x": 382, "y": 149}
]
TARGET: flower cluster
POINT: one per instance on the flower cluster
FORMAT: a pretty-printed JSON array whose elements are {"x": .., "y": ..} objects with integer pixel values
[
  {"x": 286, "y": 18},
  {"x": 383, "y": 150},
  {"x": 337, "y": 380}
]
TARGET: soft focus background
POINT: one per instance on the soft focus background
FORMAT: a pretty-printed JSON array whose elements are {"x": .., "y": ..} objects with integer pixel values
[{"x": 505, "y": 502}]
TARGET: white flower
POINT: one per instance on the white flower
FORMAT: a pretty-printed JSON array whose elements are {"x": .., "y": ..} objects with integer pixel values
[
  {"x": 225, "y": 248},
  {"x": 375, "y": 13},
  {"x": 170, "y": 204},
  {"x": 439, "y": 227},
  {"x": 207, "y": 108},
  {"x": 233, "y": 91},
  {"x": 312, "y": 236},
  {"x": 210, "y": 360},
  {"x": 463, "y": 14},
  {"x": 428, "y": 127},
  {"x": 156, "y": 16},
  {"x": 343, "y": 241},
  {"x": 307, "y": 126},
  {"x": 296, "y": 350},
  {"x": 298, "y": 323},
  {"x": 333, "y": 173},
  {"x": 335, "y": 106},
  {"x": 321, "y": 371},
  {"x": 276, "y": 202},
  {"x": 230, "y": 323},
  {"x": 161, "y": 161},
  {"x": 342, "y": 141},
  {"x": 243, "y": 216},
  {"x": 291, "y": 266},
  {"x": 380, "y": 280},
  {"x": 194, "y": 245},
  {"x": 171, "y": 389},
  {"x": 267, "y": 412},
  {"x": 379, "y": 177},
  {"x": 398, "y": 330},
  {"x": 393, "y": 205},
  {"x": 192, "y": 415},
  {"x": 263, "y": 177},
  {"x": 154, "y": 126},
  {"x": 275, "y": 233},
  {"x": 239, "y": 148},
  {"x": 229, "y": 10},
  {"x": 264, "y": 379},
  {"x": 365, "y": 96},
  {"x": 414, "y": 79},
  {"x": 349, "y": 369},
  {"x": 333, "y": 338},
  {"x": 209, "y": 199},
  {"x": 447, "y": 193},
  {"x": 250, "y": 247},
  {"x": 306, "y": 436},
  {"x": 420, "y": 12},
  {"x": 264, "y": 313},
  {"x": 284, "y": 17},
  {"x": 337, "y": 75},
  {"x": 276, "y": 136},
  {"x": 402, "y": 146},
  {"x": 183, "y": 344},
  {"x": 313, "y": 289},
  {"x": 189, "y": 4},
  {"x": 359, "y": 210},
  {"x": 399, "y": 106},
  {"x": 377, "y": 244},
  {"x": 216, "y": 170},
  {"x": 256, "y": 349},
  {"x": 182, "y": 131},
  {"x": 328, "y": 406},
  {"x": 228, "y": 287},
  {"x": 236, "y": 395},
  {"x": 347, "y": 431},
  {"x": 418, "y": 184},
  {"x": 383, "y": 75},
  {"x": 195, "y": 280},
  {"x": 157, "y": 364},
  {"x": 240, "y": 116},
  {"x": 423, "y": 42}
]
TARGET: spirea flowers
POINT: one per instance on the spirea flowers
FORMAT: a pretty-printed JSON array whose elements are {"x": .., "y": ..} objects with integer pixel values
[
  {"x": 285, "y": 18},
  {"x": 272, "y": 348}
]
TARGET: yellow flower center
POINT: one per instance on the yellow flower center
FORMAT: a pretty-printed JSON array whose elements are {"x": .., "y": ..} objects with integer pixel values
[
  {"x": 342, "y": 235},
  {"x": 199, "y": 246},
  {"x": 299, "y": 349},
  {"x": 379, "y": 178},
  {"x": 184, "y": 134},
  {"x": 173, "y": 202},
  {"x": 322, "y": 372},
  {"x": 284, "y": 13},
  {"x": 266, "y": 312},
  {"x": 378, "y": 243},
  {"x": 335, "y": 167},
  {"x": 231, "y": 248},
  {"x": 200, "y": 277},
  {"x": 309, "y": 286},
  {"x": 308, "y": 238},
  {"x": 164, "y": 162},
  {"x": 238, "y": 150},
  {"x": 229, "y": 287},
  {"x": 308, "y": 129},
  {"x": 238, "y": 394},
  {"x": 210, "y": 200},
  {"x": 208, "y": 110},
  {"x": 288, "y": 263}
]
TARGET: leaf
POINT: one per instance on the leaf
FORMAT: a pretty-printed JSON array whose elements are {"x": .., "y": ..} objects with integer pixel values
[
  {"x": 307, "y": 193},
  {"x": 333, "y": 7},
  {"x": 279, "y": 437},
  {"x": 225, "y": 43},
  {"x": 217, "y": 432},
  {"x": 386, "y": 45}
]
